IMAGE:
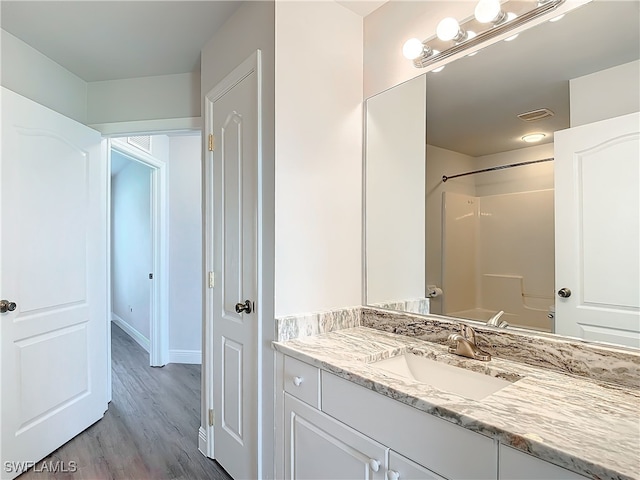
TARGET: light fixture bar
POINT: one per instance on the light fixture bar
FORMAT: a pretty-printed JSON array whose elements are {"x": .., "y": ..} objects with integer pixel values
[{"x": 538, "y": 11}]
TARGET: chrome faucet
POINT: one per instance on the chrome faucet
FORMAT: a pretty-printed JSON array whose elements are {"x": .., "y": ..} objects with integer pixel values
[
  {"x": 466, "y": 344},
  {"x": 496, "y": 322}
]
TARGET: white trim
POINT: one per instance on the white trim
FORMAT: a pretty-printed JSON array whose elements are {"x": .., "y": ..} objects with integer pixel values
[
  {"x": 105, "y": 145},
  {"x": 134, "y": 333},
  {"x": 202, "y": 441},
  {"x": 159, "y": 322},
  {"x": 250, "y": 65},
  {"x": 150, "y": 127},
  {"x": 191, "y": 357}
]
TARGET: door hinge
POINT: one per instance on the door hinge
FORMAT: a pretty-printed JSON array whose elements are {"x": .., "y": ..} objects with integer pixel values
[
  {"x": 212, "y": 142},
  {"x": 212, "y": 280},
  {"x": 212, "y": 417}
]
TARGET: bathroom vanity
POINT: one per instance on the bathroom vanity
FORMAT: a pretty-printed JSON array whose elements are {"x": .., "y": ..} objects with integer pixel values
[{"x": 346, "y": 413}]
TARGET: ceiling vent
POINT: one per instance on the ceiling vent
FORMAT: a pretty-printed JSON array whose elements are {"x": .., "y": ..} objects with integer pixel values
[
  {"x": 143, "y": 142},
  {"x": 535, "y": 115}
]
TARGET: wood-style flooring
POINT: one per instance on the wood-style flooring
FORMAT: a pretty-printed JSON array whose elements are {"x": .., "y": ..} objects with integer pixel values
[{"x": 150, "y": 430}]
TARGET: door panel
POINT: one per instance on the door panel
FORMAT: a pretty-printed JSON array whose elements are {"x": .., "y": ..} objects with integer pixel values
[
  {"x": 232, "y": 389},
  {"x": 598, "y": 230},
  {"x": 53, "y": 265},
  {"x": 235, "y": 264}
]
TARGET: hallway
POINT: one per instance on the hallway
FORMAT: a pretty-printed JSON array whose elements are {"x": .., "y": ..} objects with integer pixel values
[{"x": 149, "y": 432}]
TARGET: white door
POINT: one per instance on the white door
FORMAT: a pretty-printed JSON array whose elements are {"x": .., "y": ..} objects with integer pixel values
[
  {"x": 598, "y": 230},
  {"x": 53, "y": 267},
  {"x": 234, "y": 114}
]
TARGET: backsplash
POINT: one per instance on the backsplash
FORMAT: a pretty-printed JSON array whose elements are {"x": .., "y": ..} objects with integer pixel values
[
  {"x": 308, "y": 324},
  {"x": 417, "y": 305},
  {"x": 609, "y": 364}
]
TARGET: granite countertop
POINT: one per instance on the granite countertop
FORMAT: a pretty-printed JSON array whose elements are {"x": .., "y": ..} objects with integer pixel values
[{"x": 590, "y": 427}]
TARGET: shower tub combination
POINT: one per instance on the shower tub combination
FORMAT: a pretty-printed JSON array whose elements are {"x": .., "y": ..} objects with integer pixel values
[{"x": 498, "y": 254}]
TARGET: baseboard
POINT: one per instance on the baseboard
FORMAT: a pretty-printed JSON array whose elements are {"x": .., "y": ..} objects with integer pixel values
[
  {"x": 202, "y": 441},
  {"x": 132, "y": 332},
  {"x": 193, "y": 357}
]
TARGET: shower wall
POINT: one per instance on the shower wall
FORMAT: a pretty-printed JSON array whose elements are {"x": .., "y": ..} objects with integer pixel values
[
  {"x": 498, "y": 243},
  {"x": 498, "y": 255}
]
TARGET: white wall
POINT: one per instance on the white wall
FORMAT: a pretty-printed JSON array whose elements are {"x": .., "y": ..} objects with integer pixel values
[
  {"x": 185, "y": 246},
  {"x": 606, "y": 94},
  {"x": 318, "y": 157},
  {"x": 147, "y": 98},
  {"x": 395, "y": 193},
  {"x": 131, "y": 248},
  {"x": 29, "y": 73},
  {"x": 538, "y": 176}
]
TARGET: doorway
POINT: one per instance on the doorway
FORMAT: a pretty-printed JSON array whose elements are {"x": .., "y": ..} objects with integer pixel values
[
  {"x": 131, "y": 247},
  {"x": 149, "y": 297}
]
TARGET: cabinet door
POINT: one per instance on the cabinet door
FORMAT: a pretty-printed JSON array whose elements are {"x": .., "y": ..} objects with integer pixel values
[
  {"x": 319, "y": 447},
  {"x": 401, "y": 468}
]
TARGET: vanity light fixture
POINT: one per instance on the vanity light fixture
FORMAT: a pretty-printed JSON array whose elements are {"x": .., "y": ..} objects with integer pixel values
[
  {"x": 533, "y": 137},
  {"x": 490, "y": 11},
  {"x": 419, "y": 52},
  {"x": 449, "y": 29},
  {"x": 491, "y": 19},
  {"x": 414, "y": 48}
]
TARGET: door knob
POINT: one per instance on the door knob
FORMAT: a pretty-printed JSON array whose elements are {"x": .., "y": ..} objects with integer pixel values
[
  {"x": 7, "y": 306},
  {"x": 244, "y": 307},
  {"x": 564, "y": 293}
]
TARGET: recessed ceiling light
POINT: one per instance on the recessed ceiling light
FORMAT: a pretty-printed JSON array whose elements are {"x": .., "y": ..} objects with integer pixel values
[{"x": 533, "y": 137}]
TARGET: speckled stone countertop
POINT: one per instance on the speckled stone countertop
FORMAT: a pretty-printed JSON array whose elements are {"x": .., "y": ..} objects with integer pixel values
[{"x": 590, "y": 427}]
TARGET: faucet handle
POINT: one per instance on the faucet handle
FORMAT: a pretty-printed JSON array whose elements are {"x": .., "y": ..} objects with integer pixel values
[{"x": 467, "y": 332}]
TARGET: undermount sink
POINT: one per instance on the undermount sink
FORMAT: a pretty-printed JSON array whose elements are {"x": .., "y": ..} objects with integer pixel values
[{"x": 448, "y": 378}]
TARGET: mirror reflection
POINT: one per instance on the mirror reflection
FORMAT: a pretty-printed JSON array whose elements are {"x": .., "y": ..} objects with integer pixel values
[{"x": 484, "y": 245}]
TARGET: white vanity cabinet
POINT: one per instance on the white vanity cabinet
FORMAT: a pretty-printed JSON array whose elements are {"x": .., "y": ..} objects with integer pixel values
[
  {"x": 335, "y": 429},
  {"x": 401, "y": 468},
  {"x": 319, "y": 447},
  {"x": 516, "y": 465}
]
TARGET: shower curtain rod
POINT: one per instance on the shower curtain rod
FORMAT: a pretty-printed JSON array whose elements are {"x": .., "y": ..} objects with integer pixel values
[{"x": 499, "y": 167}]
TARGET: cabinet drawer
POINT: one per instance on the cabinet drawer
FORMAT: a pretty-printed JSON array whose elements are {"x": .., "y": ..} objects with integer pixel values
[
  {"x": 401, "y": 468},
  {"x": 445, "y": 448},
  {"x": 302, "y": 381},
  {"x": 517, "y": 465}
]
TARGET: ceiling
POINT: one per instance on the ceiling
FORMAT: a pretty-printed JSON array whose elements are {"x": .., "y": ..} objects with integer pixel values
[
  {"x": 362, "y": 7},
  {"x": 110, "y": 40},
  {"x": 472, "y": 104}
]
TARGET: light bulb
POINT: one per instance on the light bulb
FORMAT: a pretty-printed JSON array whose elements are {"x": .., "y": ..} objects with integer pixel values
[
  {"x": 439, "y": 69},
  {"x": 533, "y": 137},
  {"x": 448, "y": 29},
  {"x": 488, "y": 11},
  {"x": 511, "y": 38},
  {"x": 412, "y": 48},
  {"x": 555, "y": 19}
]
